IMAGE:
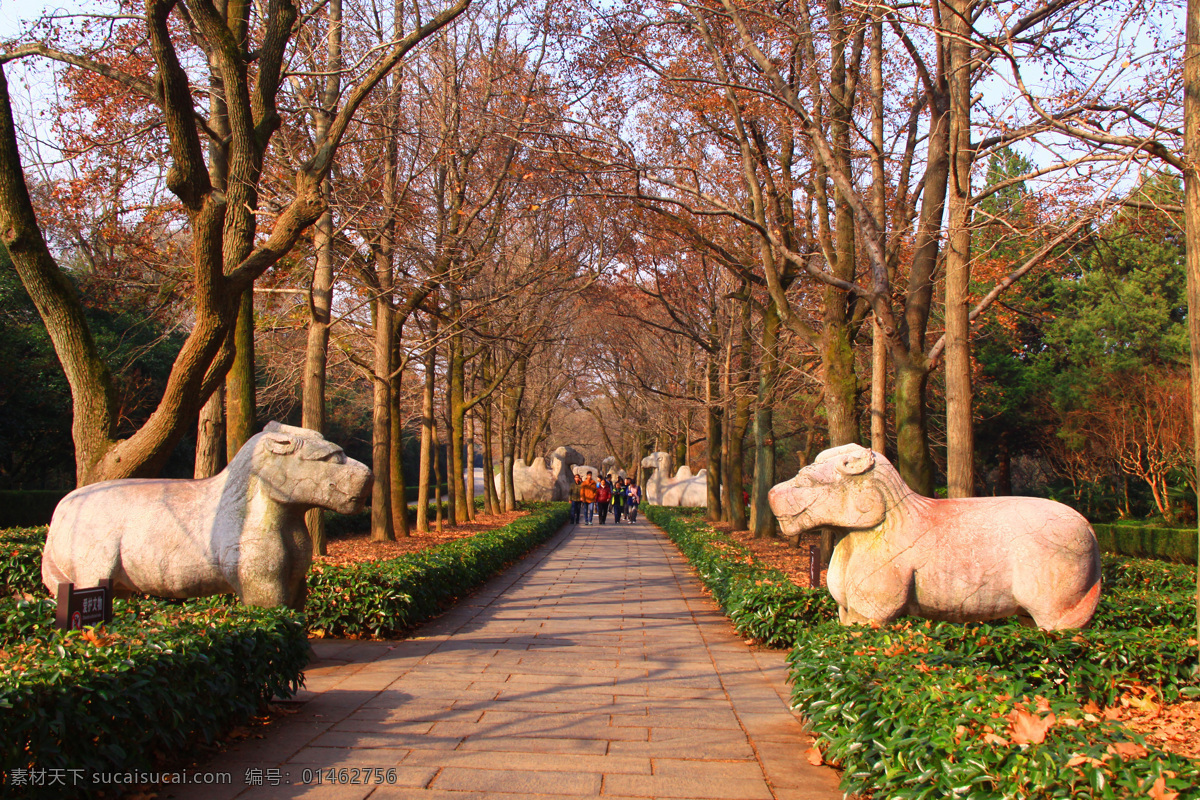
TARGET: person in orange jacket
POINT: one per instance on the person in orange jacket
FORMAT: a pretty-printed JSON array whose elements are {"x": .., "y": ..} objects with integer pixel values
[{"x": 587, "y": 494}]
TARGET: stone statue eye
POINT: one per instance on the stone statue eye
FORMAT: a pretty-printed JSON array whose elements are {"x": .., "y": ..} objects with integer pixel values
[{"x": 336, "y": 457}]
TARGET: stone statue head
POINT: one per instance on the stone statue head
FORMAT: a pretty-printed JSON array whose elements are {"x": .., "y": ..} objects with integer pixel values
[
  {"x": 842, "y": 488},
  {"x": 660, "y": 461},
  {"x": 300, "y": 467}
]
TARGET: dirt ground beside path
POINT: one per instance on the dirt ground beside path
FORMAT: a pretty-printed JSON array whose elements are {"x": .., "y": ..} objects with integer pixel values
[{"x": 359, "y": 547}]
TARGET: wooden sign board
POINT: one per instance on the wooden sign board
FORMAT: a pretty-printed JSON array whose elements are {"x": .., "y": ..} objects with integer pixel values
[{"x": 81, "y": 608}]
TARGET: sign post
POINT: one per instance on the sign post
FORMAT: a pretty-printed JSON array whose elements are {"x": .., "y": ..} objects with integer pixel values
[{"x": 80, "y": 608}]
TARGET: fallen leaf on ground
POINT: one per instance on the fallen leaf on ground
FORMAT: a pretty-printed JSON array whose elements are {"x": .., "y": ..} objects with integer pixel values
[
  {"x": 814, "y": 756},
  {"x": 1026, "y": 728}
]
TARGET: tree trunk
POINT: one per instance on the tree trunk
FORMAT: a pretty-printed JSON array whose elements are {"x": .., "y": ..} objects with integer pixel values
[
  {"x": 470, "y": 471},
  {"x": 458, "y": 413},
  {"x": 210, "y": 437},
  {"x": 437, "y": 479},
  {"x": 427, "y": 452},
  {"x": 840, "y": 380},
  {"x": 763, "y": 521},
  {"x": 879, "y": 365},
  {"x": 381, "y": 414},
  {"x": 491, "y": 499},
  {"x": 879, "y": 344},
  {"x": 320, "y": 295},
  {"x": 912, "y": 436},
  {"x": 508, "y": 442},
  {"x": 735, "y": 465},
  {"x": 320, "y": 303},
  {"x": 960, "y": 445},
  {"x": 1191, "y": 115},
  {"x": 239, "y": 382},
  {"x": 399, "y": 503},
  {"x": 714, "y": 443}
]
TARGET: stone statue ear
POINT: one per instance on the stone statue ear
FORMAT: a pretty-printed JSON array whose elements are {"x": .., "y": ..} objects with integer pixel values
[
  {"x": 279, "y": 443},
  {"x": 869, "y": 504},
  {"x": 857, "y": 462}
]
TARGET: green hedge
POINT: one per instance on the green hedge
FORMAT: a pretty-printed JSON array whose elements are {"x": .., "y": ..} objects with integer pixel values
[
  {"x": 25, "y": 507},
  {"x": 1147, "y": 541},
  {"x": 386, "y": 598},
  {"x": 917, "y": 709},
  {"x": 21, "y": 561},
  {"x": 762, "y": 602},
  {"x": 156, "y": 680}
]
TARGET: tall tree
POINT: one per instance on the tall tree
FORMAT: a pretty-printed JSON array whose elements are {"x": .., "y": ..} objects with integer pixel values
[{"x": 227, "y": 252}]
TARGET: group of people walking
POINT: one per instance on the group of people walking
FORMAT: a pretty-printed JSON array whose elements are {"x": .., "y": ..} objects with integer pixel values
[{"x": 591, "y": 497}]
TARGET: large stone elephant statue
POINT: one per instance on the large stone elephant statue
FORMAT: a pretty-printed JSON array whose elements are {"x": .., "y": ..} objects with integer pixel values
[{"x": 964, "y": 560}]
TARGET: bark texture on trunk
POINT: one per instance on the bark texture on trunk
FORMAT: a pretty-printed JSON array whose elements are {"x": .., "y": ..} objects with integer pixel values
[
  {"x": 713, "y": 431},
  {"x": 381, "y": 419},
  {"x": 763, "y": 521},
  {"x": 427, "y": 452},
  {"x": 239, "y": 382},
  {"x": 1191, "y": 114},
  {"x": 960, "y": 444},
  {"x": 210, "y": 436},
  {"x": 912, "y": 436}
]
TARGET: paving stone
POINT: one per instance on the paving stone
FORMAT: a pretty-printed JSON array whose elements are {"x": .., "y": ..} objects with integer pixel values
[
  {"x": 520, "y": 782},
  {"x": 593, "y": 668}
]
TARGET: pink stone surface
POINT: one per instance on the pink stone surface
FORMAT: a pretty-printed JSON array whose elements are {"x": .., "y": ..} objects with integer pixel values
[
  {"x": 967, "y": 560},
  {"x": 240, "y": 531}
]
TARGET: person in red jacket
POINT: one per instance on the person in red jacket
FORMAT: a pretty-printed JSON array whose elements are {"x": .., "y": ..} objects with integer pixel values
[{"x": 603, "y": 498}]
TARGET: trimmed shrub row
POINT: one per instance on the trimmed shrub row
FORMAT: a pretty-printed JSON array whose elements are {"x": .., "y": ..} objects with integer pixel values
[
  {"x": 918, "y": 709},
  {"x": 386, "y": 598},
  {"x": 762, "y": 602},
  {"x": 21, "y": 561},
  {"x": 74, "y": 703},
  {"x": 1147, "y": 541}
]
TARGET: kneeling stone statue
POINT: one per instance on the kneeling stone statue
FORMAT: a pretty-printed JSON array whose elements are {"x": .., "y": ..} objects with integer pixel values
[
  {"x": 240, "y": 531},
  {"x": 965, "y": 560}
]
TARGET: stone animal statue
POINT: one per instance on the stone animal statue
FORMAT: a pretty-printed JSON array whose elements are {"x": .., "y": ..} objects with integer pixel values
[
  {"x": 240, "y": 531},
  {"x": 541, "y": 483},
  {"x": 583, "y": 471},
  {"x": 608, "y": 467},
  {"x": 685, "y": 489},
  {"x": 964, "y": 560}
]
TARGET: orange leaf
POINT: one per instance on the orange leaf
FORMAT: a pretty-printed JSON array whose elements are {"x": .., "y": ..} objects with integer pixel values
[
  {"x": 814, "y": 756},
  {"x": 1128, "y": 749},
  {"x": 1026, "y": 728},
  {"x": 1159, "y": 790}
]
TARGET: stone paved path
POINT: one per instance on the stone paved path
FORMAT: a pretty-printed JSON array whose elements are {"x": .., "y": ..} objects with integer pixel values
[{"x": 594, "y": 668}]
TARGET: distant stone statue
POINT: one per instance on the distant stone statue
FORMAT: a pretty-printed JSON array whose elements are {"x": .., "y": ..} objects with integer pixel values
[
  {"x": 542, "y": 483},
  {"x": 966, "y": 560},
  {"x": 608, "y": 468},
  {"x": 240, "y": 531},
  {"x": 583, "y": 471},
  {"x": 685, "y": 489}
]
